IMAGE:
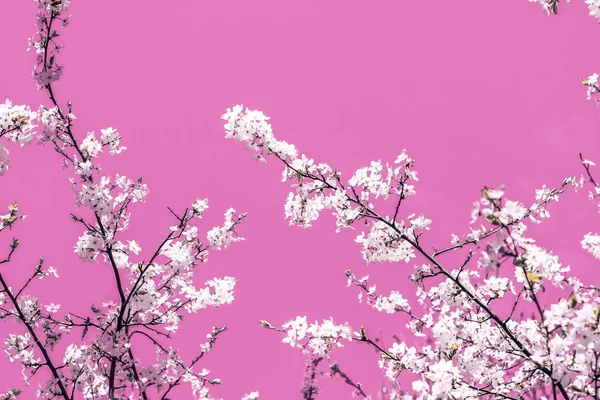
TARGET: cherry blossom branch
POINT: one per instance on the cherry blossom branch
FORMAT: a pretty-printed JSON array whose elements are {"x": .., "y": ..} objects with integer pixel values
[
  {"x": 318, "y": 187},
  {"x": 379, "y": 302},
  {"x": 108, "y": 366},
  {"x": 47, "y": 359},
  {"x": 467, "y": 242},
  {"x": 38, "y": 271},
  {"x": 586, "y": 165},
  {"x": 48, "y": 86},
  {"x": 109, "y": 250},
  {"x": 442, "y": 269},
  {"x": 213, "y": 338}
]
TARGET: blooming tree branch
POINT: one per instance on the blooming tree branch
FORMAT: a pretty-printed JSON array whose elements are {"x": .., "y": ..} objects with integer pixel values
[
  {"x": 478, "y": 351},
  {"x": 153, "y": 294}
]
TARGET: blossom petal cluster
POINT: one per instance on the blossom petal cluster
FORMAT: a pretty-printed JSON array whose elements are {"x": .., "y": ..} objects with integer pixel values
[{"x": 318, "y": 339}]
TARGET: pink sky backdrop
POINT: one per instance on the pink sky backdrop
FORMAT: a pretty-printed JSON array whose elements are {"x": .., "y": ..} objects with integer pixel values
[{"x": 479, "y": 93}]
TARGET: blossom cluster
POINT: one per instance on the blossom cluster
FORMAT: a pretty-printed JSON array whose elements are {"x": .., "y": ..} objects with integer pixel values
[
  {"x": 315, "y": 339},
  {"x": 49, "y": 14},
  {"x": 17, "y": 123},
  {"x": 551, "y": 6},
  {"x": 319, "y": 187}
]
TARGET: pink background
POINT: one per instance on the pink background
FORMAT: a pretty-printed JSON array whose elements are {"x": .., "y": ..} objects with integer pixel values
[{"x": 478, "y": 92}]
